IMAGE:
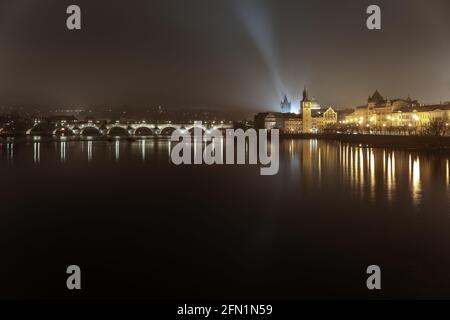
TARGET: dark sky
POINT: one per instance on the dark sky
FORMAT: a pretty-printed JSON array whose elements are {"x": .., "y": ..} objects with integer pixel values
[{"x": 222, "y": 54}]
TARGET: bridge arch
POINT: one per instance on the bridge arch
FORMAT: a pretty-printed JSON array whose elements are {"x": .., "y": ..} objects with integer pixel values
[
  {"x": 90, "y": 130},
  {"x": 37, "y": 130},
  {"x": 144, "y": 130},
  {"x": 167, "y": 130},
  {"x": 192, "y": 128},
  {"x": 118, "y": 130},
  {"x": 62, "y": 131}
]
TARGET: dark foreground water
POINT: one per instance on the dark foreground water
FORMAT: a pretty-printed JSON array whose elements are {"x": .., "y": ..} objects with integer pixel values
[{"x": 140, "y": 227}]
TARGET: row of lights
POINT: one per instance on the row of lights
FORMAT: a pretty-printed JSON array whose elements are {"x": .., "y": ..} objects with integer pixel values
[
  {"x": 118, "y": 121},
  {"x": 385, "y": 125},
  {"x": 373, "y": 119}
]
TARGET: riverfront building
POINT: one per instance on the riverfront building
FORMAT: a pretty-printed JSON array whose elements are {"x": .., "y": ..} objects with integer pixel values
[{"x": 381, "y": 112}]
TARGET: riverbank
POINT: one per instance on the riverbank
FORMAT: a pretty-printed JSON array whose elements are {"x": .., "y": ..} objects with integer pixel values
[{"x": 382, "y": 141}]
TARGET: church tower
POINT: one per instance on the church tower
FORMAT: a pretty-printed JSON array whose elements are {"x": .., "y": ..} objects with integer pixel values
[
  {"x": 286, "y": 105},
  {"x": 306, "y": 112}
]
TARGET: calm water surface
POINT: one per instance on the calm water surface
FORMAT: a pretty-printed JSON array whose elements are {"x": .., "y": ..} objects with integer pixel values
[{"x": 140, "y": 227}]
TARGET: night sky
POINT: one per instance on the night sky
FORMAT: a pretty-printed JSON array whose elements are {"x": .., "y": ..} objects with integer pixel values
[{"x": 223, "y": 55}]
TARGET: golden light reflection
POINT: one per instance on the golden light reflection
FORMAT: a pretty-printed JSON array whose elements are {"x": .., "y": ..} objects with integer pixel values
[
  {"x": 319, "y": 167},
  {"x": 372, "y": 174},
  {"x": 351, "y": 167},
  {"x": 447, "y": 173},
  {"x": 415, "y": 182},
  {"x": 447, "y": 177},
  {"x": 390, "y": 175},
  {"x": 291, "y": 149},
  {"x": 361, "y": 168}
]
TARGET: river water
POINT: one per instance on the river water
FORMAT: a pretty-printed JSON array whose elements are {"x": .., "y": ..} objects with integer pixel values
[{"x": 140, "y": 227}]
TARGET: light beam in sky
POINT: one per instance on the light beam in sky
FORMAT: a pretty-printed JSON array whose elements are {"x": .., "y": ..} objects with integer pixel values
[{"x": 255, "y": 17}]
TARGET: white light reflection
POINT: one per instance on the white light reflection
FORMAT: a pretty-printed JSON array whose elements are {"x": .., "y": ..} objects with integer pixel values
[
  {"x": 63, "y": 151},
  {"x": 37, "y": 152},
  {"x": 10, "y": 152},
  {"x": 89, "y": 151},
  {"x": 170, "y": 149},
  {"x": 117, "y": 150},
  {"x": 143, "y": 149}
]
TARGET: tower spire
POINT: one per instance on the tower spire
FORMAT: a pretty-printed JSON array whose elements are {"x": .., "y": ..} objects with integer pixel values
[
  {"x": 285, "y": 105},
  {"x": 306, "y": 112},
  {"x": 305, "y": 94}
]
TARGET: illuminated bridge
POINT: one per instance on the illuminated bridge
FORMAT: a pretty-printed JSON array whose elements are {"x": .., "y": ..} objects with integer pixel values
[{"x": 131, "y": 129}]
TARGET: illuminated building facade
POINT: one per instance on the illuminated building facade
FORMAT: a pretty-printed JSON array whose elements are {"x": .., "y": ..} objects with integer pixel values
[
  {"x": 322, "y": 119},
  {"x": 384, "y": 113},
  {"x": 292, "y": 124},
  {"x": 314, "y": 118}
]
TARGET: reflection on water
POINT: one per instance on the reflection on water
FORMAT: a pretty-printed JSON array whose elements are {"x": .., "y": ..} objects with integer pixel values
[
  {"x": 143, "y": 149},
  {"x": 117, "y": 150},
  {"x": 390, "y": 174},
  {"x": 37, "y": 152},
  {"x": 329, "y": 202},
  {"x": 414, "y": 170},
  {"x": 373, "y": 174},
  {"x": 371, "y": 168},
  {"x": 447, "y": 179},
  {"x": 367, "y": 173},
  {"x": 63, "y": 147},
  {"x": 10, "y": 152},
  {"x": 89, "y": 151},
  {"x": 448, "y": 173}
]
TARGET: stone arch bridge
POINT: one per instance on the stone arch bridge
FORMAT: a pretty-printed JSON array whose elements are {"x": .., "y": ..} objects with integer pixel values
[{"x": 131, "y": 129}]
